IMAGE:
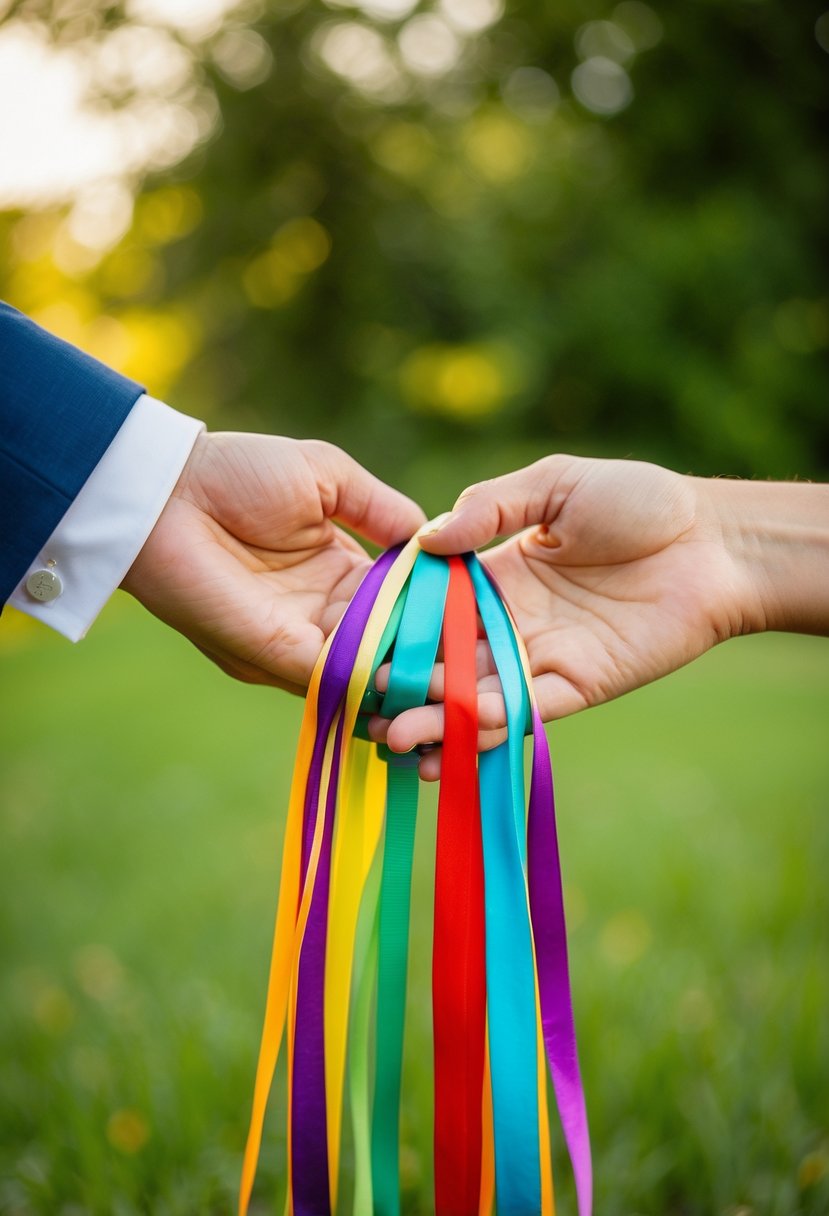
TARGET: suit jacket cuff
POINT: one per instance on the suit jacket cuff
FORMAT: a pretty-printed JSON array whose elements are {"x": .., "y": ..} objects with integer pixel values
[{"x": 105, "y": 527}]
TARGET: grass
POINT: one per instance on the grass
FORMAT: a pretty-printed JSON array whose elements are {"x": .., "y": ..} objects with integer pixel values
[{"x": 142, "y": 800}]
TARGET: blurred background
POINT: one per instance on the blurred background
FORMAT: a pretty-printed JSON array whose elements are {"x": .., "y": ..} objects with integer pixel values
[{"x": 451, "y": 236}]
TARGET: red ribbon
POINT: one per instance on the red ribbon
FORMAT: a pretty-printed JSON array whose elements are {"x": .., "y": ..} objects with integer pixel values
[{"x": 458, "y": 960}]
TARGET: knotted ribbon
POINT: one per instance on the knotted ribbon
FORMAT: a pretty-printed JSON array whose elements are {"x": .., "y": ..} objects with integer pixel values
[{"x": 500, "y": 987}]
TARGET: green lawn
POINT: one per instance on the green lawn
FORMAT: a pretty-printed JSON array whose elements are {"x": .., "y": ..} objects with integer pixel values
[{"x": 142, "y": 804}]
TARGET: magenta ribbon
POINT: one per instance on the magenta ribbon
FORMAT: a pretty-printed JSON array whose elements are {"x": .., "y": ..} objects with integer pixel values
[{"x": 550, "y": 936}]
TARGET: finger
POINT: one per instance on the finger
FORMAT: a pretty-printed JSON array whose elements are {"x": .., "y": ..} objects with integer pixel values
[
  {"x": 432, "y": 760},
  {"x": 429, "y": 767},
  {"x": 360, "y": 500},
  {"x": 487, "y": 739},
  {"x": 557, "y": 697},
  {"x": 378, "y": 728},
  {"x": 533, "y": 495},
  {"x": 416, "y": 727},
  {"x": 247, "y": 673}
]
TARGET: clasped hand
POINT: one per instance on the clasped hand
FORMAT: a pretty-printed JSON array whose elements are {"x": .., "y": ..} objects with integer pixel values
[{"x": 617, "y": 572}]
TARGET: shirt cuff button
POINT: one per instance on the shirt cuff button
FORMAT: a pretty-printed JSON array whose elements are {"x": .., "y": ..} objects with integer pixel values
[{"x": 44, "y": 585}]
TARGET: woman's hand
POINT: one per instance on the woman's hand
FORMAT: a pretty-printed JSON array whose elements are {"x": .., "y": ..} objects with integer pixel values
[{"x": 622, "y": 571}]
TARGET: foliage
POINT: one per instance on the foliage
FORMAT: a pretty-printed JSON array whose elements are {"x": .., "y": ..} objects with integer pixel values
[{"x": 595, "y": 228}]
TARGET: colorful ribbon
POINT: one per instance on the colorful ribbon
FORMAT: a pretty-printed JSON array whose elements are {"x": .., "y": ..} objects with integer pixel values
[{"x": 501, "y": 995}]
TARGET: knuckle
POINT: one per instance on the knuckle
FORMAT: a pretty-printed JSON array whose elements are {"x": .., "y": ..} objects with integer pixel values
[
  {"x": 322, "y": 451},
  {"x": 478, "y": 490}
]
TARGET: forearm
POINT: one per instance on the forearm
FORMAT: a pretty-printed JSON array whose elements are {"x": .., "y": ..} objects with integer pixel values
[{"x": 777, "y": 533}]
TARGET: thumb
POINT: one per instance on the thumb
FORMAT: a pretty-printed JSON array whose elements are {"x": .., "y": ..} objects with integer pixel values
[
  {"x": 354, "y": 497},
  {"x": 504, "y": 505}
]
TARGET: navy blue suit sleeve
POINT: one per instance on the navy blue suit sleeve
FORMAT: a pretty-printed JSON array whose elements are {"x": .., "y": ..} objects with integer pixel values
[{"x": 59, "y": 412}]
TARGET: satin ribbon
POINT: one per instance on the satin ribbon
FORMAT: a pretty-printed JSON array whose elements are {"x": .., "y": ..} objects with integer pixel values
[
  {"x": 458, "y": 966},
  {"x": 345, "y": 676},
  {"x": 415, "y": 650},
  {"x": 550, "y": 938},
  {"x": 293, "y": 897},
  {"x": 500, "y": 983},
  {"x": 511, "y": 997}
]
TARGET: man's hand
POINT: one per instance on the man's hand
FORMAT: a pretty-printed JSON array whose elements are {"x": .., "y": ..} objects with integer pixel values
[{"x": 245, "y": 560}]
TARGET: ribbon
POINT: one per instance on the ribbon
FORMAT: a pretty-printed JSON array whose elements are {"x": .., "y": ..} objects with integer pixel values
[
  {"x": 509, "y": 962},
  {"x": 501, "y": 999},
  {"x": 458, "y": 968},
  {"x": 415, "y": 649}
]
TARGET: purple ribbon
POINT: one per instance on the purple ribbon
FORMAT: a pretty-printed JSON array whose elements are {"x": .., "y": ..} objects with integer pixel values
[
  {"x": 309, "y": 1139},
  {"x": 550, "y": 935},
  {"x": 309, "y": 1144},
  {"x": 336, "y": 673}
]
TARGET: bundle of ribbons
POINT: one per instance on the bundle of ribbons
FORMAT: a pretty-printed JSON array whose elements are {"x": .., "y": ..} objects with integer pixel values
[{"x": 500, "y": 989}]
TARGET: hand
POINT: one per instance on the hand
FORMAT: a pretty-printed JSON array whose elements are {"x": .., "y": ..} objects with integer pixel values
[
  {"x": 245, "y": 560},
  {"x": 626, "y": 572}
]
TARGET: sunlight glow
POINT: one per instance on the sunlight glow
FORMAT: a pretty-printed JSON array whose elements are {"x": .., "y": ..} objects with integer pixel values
[
  {"x": 55, "y": 142},
  {"x": 380, "y": 10},
  {"x": 195, "y": 19},
  {"x": 472, "y": 16}
]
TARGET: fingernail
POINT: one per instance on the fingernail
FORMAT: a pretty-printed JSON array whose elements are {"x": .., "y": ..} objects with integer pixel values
[
  {"x": 547, "y": 538},
  {"x": 434, "y": 525}
]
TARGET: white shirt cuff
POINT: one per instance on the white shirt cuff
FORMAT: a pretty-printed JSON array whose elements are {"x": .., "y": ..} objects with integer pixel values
[{"x": 106, "y": 526}]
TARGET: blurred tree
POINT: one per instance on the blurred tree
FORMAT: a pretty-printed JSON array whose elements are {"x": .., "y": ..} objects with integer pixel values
[{"x": 451, "y": 237}]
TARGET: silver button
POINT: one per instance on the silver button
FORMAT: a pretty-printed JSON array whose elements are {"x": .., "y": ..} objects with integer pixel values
[{"x": 44, "y": 585}]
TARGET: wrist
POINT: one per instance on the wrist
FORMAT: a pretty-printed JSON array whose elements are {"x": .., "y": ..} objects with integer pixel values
[
  {"x": 776, "y": 535},
  {"x": 187, "y": 485}
]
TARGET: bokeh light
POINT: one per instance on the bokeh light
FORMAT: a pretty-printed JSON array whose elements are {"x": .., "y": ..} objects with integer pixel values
[
  {"x": 381, "y": 10},
  {"x": 472, "y": 16},
  {"x": 360, "y": 55},
  {"x": 243, "y": 57},
  {"x": 195, "y": 19},
  {"x": 531, "y": 92},
  {"x": 429, "y": 45},
  {"x": 602, "y": 85},
  {"x": 605, "y": 40},
  {"x": 462, "y": 381},
  {"x": 639, "y": 21}
]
